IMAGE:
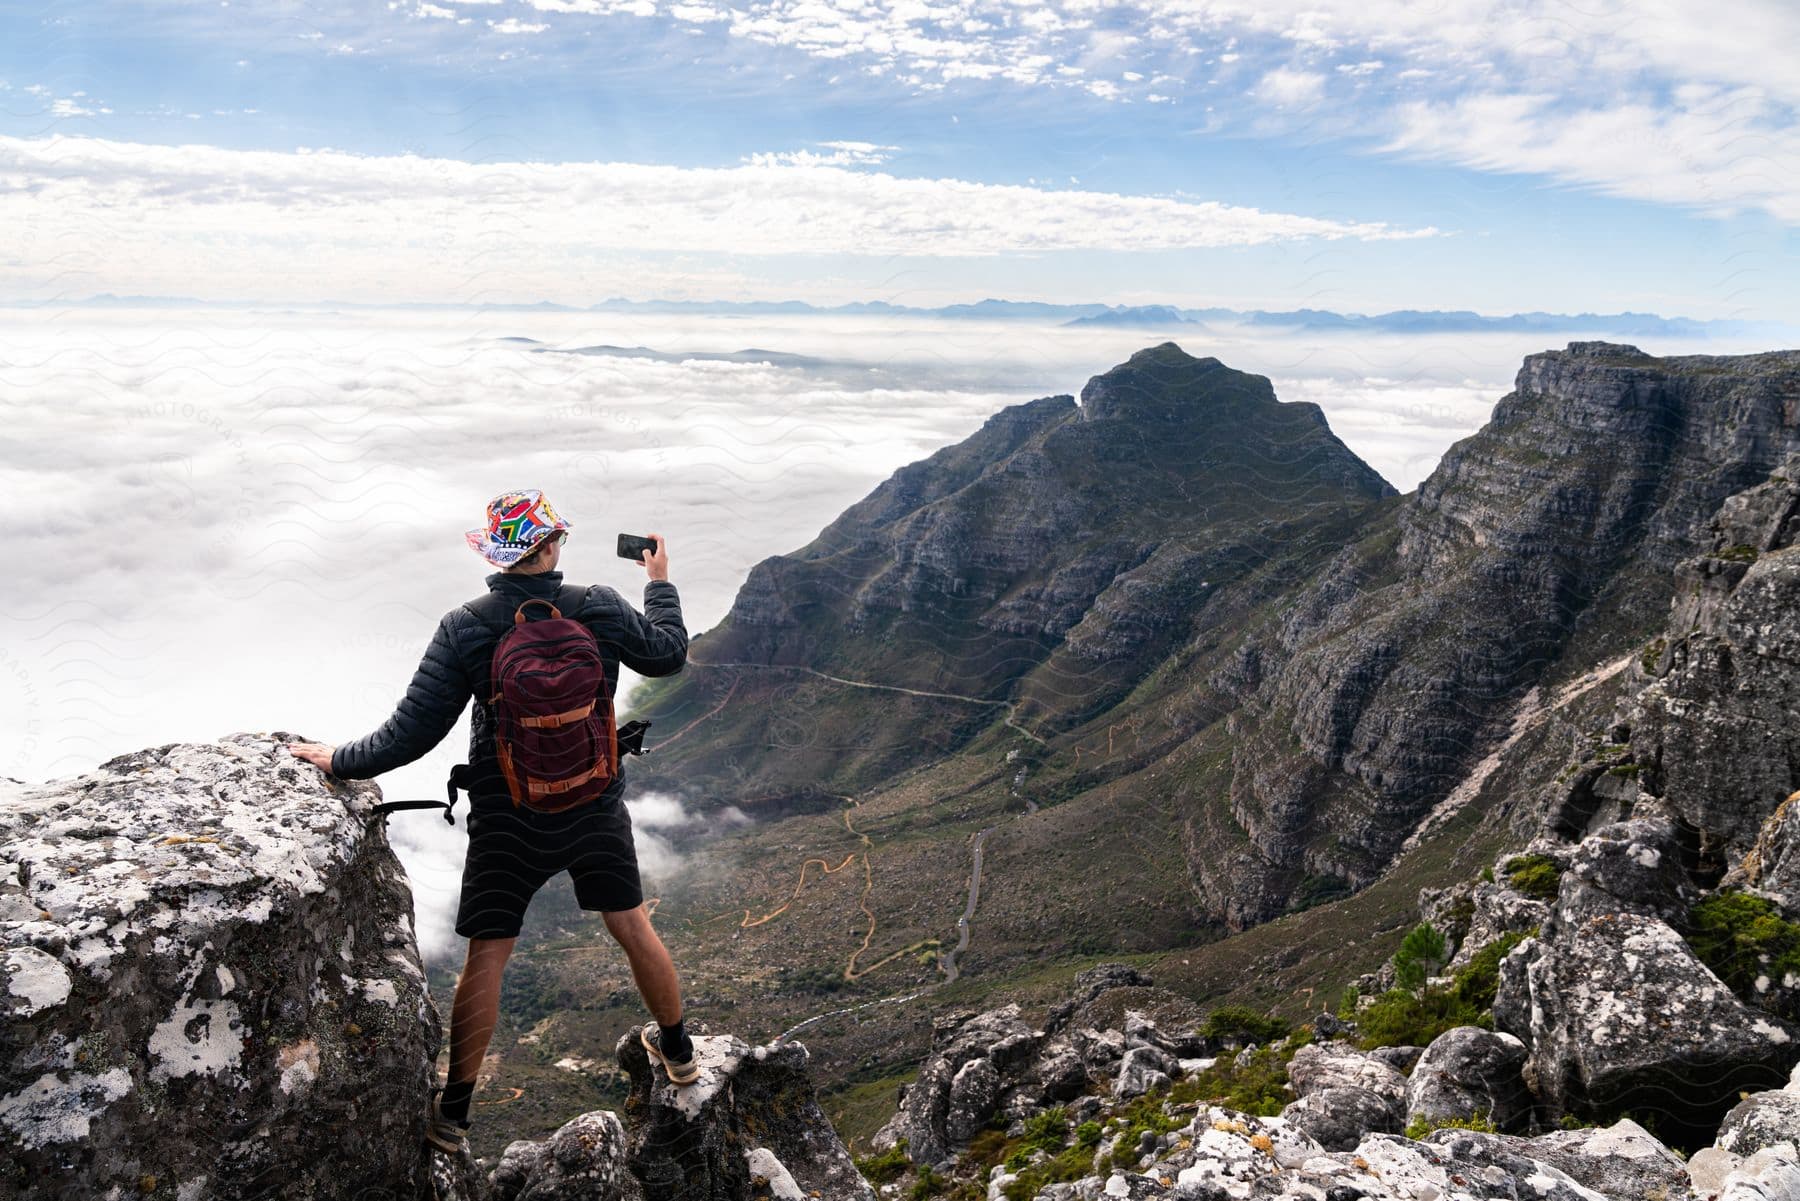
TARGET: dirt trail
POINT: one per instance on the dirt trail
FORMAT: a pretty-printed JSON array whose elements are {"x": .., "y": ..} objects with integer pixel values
[{"x": 1010, "y": 707}]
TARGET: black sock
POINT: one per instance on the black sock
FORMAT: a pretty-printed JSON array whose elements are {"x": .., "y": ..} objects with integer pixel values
[
  {"x": 675, "y": 1042},
  {"x": 454, "y": 1104}
]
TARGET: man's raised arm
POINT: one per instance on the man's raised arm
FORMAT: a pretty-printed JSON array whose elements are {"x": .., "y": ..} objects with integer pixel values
[{"x": 654, "y": 642}]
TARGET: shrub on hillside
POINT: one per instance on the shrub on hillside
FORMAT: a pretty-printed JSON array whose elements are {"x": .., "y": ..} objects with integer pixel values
[
  {"x": 1741, "y": 937},
  {"x": 1244, "y": 1024},
  {"x": 1534, "y": 875}
]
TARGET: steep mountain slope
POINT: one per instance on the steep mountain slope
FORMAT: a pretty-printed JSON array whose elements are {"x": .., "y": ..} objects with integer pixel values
[
  {"x": 1037, "y": 569},
  {"x": 1304, "y": 668},
  {"x": 1540, "y": 547}
]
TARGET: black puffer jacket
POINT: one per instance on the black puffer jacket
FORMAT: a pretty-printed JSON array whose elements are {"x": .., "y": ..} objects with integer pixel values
[{"x": 456, "y": 665}]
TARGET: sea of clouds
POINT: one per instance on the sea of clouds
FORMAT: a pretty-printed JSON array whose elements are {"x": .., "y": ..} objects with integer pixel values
[{"x": 232, "y": 520}]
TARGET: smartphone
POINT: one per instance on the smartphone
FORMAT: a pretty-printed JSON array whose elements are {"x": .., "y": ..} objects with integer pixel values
[{"x": 633, "y": 547}]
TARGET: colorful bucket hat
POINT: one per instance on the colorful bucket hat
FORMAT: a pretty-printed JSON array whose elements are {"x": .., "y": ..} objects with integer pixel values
[{"x": 516, "y": 522}]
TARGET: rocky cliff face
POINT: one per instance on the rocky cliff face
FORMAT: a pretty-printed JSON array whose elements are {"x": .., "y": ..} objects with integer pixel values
[
  {"x": 1541, "y": 546},
  {"x": 1713, "y": 732},
  {"x": 212, "y": 990},
  {"x": 1186, "y": 557}
]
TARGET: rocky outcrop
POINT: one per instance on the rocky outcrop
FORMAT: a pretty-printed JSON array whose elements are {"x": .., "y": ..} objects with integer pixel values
[
  {"x": 751, "y": 1125},
  {"x": 1619, "y": 1161},
  {"x": 1617, "y": 1011},
  {"x": 211, "y": 983},
  {"x": 1221, "y": 1154},
  {"x": 1495, "y": 911},
  {"x": 973, "y": 1059},
  {"x": 1338, "y": 1117},
  {"x": 1467, "y": 1073}
]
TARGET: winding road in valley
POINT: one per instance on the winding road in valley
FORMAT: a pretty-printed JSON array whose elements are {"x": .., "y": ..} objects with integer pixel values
[{"x": 950, "y": 970}]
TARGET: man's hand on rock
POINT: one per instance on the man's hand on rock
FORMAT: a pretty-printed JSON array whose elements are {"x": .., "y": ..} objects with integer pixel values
[{"x": 315, "y": 753}]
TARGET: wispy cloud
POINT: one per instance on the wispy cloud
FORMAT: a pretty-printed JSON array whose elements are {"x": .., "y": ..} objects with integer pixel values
[
  {"x": 1718, "y": 151},
  {"x": 325, "y": 222}
]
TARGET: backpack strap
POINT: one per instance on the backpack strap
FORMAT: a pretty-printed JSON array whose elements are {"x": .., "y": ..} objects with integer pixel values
[
  {"x": 458, "y": 779},
  {"x": 491, "y": 610}
]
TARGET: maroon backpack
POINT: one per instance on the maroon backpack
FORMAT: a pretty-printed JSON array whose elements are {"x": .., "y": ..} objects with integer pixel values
[{"x": 553, "y": 718}]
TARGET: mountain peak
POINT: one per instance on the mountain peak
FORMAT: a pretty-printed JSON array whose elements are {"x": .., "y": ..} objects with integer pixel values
[{"x": 1164, "y": 383}]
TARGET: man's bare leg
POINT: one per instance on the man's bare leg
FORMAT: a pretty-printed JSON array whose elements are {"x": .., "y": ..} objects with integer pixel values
[
  {"x": 651, "y": 967},
  {"x": 477, "y": 1005}
]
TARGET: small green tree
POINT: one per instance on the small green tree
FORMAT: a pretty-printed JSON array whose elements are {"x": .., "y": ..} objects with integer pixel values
[{"x": 1421, "y": 954}]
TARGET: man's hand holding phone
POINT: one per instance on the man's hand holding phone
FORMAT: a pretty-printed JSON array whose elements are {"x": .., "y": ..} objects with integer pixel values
[{"x": 650, "y": 551}]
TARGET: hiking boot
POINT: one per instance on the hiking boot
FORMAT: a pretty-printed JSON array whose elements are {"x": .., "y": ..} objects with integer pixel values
[
  {"x": 681, "y": 1071},
  {"x": 447, "y": 1136}
]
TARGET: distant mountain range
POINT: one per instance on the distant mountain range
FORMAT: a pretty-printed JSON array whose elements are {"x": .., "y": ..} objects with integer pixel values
[{"x": 1402, "y": 321}]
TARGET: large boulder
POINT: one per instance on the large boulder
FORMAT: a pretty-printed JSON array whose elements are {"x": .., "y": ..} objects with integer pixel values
[
  {"x": 751, "y": 1125},
  {"x": 1469, "y": 1071},
  {"x": 583, "y": 1161},
  {"x": 1318, "y": 1066},
  {"x": 974, "y": 1059},
  {"x": 211, "y": 983},
  {"x": 1338, "y": 1117},
  {"x": 1765, "y": 1119},
  {"x": 1620, "y": 1016},
  {"x": 1617, "y": 1012},
  {"x": 1631, "y": 866},
  {"x": 1622, "y": 1160}
]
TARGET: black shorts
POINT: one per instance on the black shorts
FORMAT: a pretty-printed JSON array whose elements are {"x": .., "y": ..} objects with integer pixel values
[{"x": 514, "y": 852}]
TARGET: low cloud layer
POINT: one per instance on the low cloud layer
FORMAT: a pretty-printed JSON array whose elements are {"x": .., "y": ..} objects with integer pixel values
[{"x": 294, "y": 488}]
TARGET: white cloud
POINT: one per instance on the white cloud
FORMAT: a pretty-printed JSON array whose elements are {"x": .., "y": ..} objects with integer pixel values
[
  {"x": 514, "y": 25},
  {"x": 1288, "y": 88},
  {"x": 840, "y": 154},
  {"x": 67, "y": 107},
  {"x": 1717, "y": 152},
  {"x": 214, "y": 221},
  {"x": 698, "y": 12}
]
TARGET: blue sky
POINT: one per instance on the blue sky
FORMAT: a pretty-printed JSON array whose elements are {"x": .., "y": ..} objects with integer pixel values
[{"x": 1530, "y": 155}]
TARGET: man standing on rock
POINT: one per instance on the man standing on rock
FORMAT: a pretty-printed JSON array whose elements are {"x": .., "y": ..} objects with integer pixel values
[{"x": 514, "y": 849}]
